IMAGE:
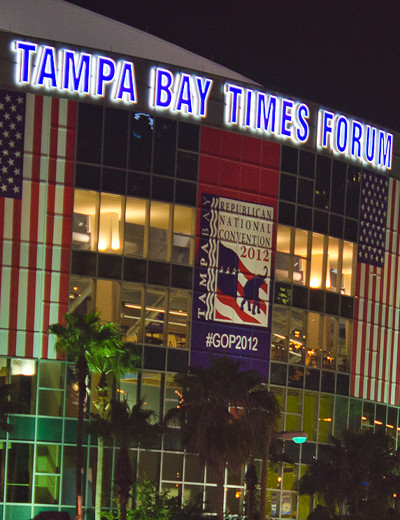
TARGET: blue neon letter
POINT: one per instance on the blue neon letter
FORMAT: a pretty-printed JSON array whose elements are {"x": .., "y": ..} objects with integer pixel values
[
  {"x": 341, "y": 136},
  {"x": 80, "y": 78},
  {"x": 184, "y": 95},
  {"x": 204, "y": 87},
  {"x": 25, "y": 59},
  {"x": 47, "y": 67},
  {"x": 303, "y": 113},
  {"x": 105, "y": 74},
  {"x": 126, "y": 85},
  {"x": 236, "y": 92},
  {"x": 326, "y": 127},
  {"x": 267, "y": 117},
  {"x": 356, "y": 134},
  {"x": 385, "y": 149},
  {"x": 287, "y": 106},
  {"x": 370, "y": 143},
  {"x": 249, "y": 100},
  {"x": 164, "y": 80}
]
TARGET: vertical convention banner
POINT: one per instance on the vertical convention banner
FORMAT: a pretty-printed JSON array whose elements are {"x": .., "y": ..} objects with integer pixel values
[{"x": 231, "y": 304}]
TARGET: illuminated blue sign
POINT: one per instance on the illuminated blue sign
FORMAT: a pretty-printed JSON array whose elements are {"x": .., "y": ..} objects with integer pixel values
[
  {"x": 66, "y": 71},
  {"x": 267, "y": 114},
  {"x": 341, "y": 135},
  {"x": 180, "y": 92},
  {"x": 42, "y": 66}
]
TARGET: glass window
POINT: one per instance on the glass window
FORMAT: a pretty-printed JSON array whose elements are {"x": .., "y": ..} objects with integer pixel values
[
  {"x": 172, "y": 466},
  {"x": 313, "y": 340},
  {"x": 172, "y": 393},
  {"x": 81, "y": 298},
  {"x": 107, "y": 300},
  {"x": 317, "y": 261},
  {"x": 136, "y": 212},
  {"x": 19, "y": 473},
  {"x": 164, "y": 146},
  {"x": 294, "y": 402},
  {"x": 111, "y": 229},
  {"x": 90, "y": 126},
  {"x": 85, "y": 220},
  {"x": 51, "y": 402},
  {"x": 333, "y": 272},
  {"x": 310, "y": 415},
  {"x": 283, "y": 260},
  {"x": 159, "y": 231},
  {"x": 150, "y": 393},
  {"x": 280, "y": 333},
  {"x": 341, "y": 410},
  {"x": 51, "y": 375},
  {"x": 132, "y": 303},
  {"x": 325, "y": 418},
  {"x": 182, "y": 240},
  {"x": 297, "y": 336},
  {"x": 128, "y": 385},
  {"x": 300, "y": 263},
  {"x": 23, "y": 379},
  {"x": 178, "y": 319},
  {"x": 186, "y": 166},
  {"x": 345, "y": 342},
  {"x": 330, "y": 341},
  {"x": 115, "y": 137},
  {"x": 155, "y": 316},
  {"x": 348, "y": 280},
  {"x": 141, "y": 140},
  {"x": 3, "y": 371}
]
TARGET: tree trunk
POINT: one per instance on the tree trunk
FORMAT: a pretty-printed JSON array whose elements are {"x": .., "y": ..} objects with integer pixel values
[
  {"x": 264, "y": 475},
  {"x": 251, "y": 482},
  {"x": 123, "y": 479},
  {"x": 81, "y": 372},
  {"x": 101, "y": 405},
  {"x": 99, "y": 477},
  {"x": 220, "y": 493}
]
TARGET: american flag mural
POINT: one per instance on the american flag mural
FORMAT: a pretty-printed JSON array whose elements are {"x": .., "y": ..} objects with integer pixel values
[
  {"x": 35, "y": 221},
  {"x": 376, "y": 363}
]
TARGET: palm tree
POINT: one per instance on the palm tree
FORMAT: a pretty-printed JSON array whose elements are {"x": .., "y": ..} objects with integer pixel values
[
  {"x": 214, "y": 412},
  {"x": 128, "y": 426},
  {"x": 80, "y": 335},
  {"x": 111, "y": 358},
  {"x": 262, "y": 414},
  {"x": 354, "y": 474}
]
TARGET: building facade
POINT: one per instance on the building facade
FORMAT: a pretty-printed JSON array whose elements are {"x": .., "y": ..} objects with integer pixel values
[{"x": 202, "y": 214}]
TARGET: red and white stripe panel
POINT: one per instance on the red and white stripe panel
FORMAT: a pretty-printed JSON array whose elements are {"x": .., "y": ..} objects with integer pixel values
[
  {"x": 376, "y": 361},
  {"x": 35, "y": 232}
]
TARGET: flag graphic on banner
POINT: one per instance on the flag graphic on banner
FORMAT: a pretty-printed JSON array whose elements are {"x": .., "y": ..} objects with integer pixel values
[
  {"x": 35, "y": 230},
  {"x": 377, "y": 302},
  {"x": 12, "y": 119}
]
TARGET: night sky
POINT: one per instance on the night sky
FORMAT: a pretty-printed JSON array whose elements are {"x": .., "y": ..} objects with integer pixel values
[{"x": 343, "y": 55}]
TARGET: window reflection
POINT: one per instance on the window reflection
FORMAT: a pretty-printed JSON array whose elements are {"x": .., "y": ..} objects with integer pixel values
[
  {"x": 135, "y": 221},
  {"x": 160, "y": 220},
  {"x": 81, "y": 293},
  {"x": 155, "y": 317},
  {"x": 110, "y": 229},
  {"x": 132, "y": 300},
  {"x": 321, "y": 262},
  {"x": 183, "y": 241},
  {"x": 300, "y": 262},
  {"x": 178, "y": 319},
  {"x": 333, "y": 275},
  {"x": 107, "y": 300},
  {"x": 133, "y": 227},
  {"x": 85, "y": 220},
  {"x": 317, "y": 261}
]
